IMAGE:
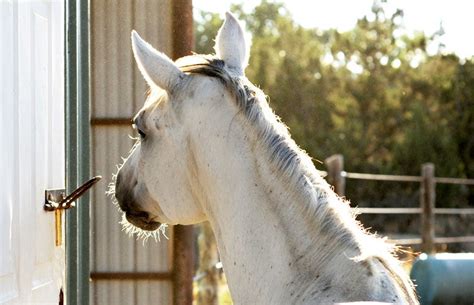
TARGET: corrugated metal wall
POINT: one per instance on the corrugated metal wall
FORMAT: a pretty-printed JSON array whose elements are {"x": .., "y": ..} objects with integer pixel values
[{"x": 117, "y": 92}]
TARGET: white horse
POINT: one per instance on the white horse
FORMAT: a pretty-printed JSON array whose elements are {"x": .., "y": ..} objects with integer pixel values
[{"x": 211, "y": 149}]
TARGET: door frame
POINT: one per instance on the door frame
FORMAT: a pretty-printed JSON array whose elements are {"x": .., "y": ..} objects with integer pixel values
[{"x": 77, "y": 150}]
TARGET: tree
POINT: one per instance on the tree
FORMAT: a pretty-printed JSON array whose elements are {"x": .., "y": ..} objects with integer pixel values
[{"x": 373, "y": 94}]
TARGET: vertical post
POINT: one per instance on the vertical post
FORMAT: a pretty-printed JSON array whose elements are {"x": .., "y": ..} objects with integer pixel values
[
  {"x": 83, "y": 157},
  {"x": 208, "y": 274},
  {"x": 183, "y": 265},
  {"x": 183, "y": 241},
  {"x": 77, "y": 148},
  {"x": 182, "y": 28},
  {"x": 70, "y": 115},
  {"x": 335, "y": 166},
  {"x": 427, "y": 202}
]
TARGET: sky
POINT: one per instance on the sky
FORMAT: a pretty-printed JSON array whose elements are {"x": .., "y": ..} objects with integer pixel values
[{"x": 457, "y": 16}]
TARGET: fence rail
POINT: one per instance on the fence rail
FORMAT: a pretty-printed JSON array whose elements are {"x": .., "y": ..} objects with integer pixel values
[
  {"x": 438, "y": 211},
  {"x": 337, "y": 177},
  {"x": 438, "y": 240},
  {"x": 379, "y": 177},
  {"x": 401, "y": 178}
]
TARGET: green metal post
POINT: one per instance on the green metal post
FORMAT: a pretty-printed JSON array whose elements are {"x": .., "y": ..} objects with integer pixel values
[
  {"x": 83, "y": 207},
  {"x": 77, "y": 149},
  {"x": 71, "y": 148}
]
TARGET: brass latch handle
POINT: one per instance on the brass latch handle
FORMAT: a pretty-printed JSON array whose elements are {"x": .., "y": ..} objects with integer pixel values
[{"x": 57, "y": 199}]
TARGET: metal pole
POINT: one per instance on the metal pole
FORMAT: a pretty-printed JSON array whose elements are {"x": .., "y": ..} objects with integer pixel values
[
  {"x": 83, "y": 157},
  {"x": 183, "y": 241},
  {"x": 71, "y": 146},
  {"x": 427, "y": 202},
  {"x": 77, "y": 148}
]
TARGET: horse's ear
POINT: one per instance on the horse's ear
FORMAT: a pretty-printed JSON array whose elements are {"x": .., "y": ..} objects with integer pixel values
[
  {"x": 157, "y": 68},
  {"x": 231, "y": 46}
]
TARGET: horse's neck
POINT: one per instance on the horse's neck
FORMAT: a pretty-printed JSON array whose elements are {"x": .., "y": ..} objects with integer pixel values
[
  {"x": 252, "y": 240},
  {"x": 282, "y": 241},
  {"x": 261, "y": 228}
]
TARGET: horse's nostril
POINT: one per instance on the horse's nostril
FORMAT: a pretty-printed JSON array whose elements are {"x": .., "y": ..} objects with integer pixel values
[
  {"x": 118, "y": 179},
  {"x": 123, "y": 200},
  {"x": 122, "y": 195}
]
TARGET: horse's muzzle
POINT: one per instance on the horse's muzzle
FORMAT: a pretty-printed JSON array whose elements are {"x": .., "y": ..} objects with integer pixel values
[
  {"x": 142, "y": 221},
  {"x": 128, "y": 204}
]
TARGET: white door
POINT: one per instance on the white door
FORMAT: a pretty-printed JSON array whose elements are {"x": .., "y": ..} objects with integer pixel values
[{"x": 31, "y": 149}]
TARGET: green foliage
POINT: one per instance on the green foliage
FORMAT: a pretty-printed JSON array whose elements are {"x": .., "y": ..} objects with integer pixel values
[{"x": 373, "y": 94}]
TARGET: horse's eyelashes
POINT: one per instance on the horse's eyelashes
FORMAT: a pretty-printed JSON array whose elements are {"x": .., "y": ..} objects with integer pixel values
[
  {"x": 141, "y": 133},
  {"x": 138, "y": 126}
]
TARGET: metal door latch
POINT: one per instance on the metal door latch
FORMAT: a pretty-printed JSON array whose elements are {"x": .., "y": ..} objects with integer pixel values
[{"x": 56, "y": 200}]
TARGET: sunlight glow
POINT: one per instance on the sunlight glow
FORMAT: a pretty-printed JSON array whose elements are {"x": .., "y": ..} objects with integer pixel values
[{"x": 420, "y": 15}]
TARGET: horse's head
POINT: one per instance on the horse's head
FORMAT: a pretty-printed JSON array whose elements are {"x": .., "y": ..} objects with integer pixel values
[{"x": 156, "y": 183}]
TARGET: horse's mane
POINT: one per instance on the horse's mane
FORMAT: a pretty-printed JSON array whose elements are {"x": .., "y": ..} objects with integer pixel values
[
  {"x": 284, "y": 152},
  {"x": 331, "y": 213},
  {"x": 291, "y": 162}
]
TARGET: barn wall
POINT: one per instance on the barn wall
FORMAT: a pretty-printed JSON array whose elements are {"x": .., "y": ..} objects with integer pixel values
[{"x": 117, "y": 92}]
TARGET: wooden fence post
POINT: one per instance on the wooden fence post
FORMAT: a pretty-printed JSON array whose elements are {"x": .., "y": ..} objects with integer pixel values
[
  {"x": 335, "y": 166},
  {"x": 427, "y": 202}
]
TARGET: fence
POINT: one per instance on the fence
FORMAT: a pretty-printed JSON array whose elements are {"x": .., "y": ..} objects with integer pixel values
[{"x": 427, "y": 180}]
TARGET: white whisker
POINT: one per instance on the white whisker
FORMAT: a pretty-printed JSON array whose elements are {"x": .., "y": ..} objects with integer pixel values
[{"x": 144, "y": 235}]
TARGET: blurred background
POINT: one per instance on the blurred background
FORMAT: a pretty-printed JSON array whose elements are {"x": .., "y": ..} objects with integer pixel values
[{"x": 389, "y": 85}]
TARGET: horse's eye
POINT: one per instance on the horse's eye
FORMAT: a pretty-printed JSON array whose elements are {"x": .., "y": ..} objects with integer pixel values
[{"x": 141, "y": 133}]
